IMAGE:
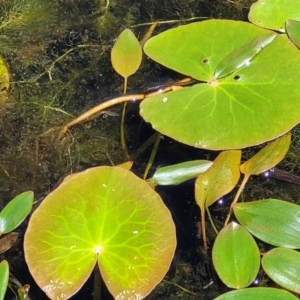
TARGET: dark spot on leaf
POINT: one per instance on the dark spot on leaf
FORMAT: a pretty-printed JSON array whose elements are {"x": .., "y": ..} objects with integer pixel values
[
  {"x": 236, "y": 77},
  {"x": 205, "y": 60}
]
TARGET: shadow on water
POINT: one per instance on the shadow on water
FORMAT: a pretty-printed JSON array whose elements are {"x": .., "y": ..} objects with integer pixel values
[{"x": 53, "y": 80}]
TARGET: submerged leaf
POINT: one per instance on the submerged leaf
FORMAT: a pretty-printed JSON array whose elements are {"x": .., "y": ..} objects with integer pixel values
[
  {"x": 242, "y": 56},
  {"x": 181, "y": 172}
]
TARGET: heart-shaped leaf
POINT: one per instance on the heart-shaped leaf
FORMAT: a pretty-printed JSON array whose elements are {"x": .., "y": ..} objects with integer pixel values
[
  {"x": 236, "y": 256},
  {"x": 268, "y": 157},
  {"x": 242, "y": 109},
  {"x": 181, "y": 172},
  {"x": 283, "y": 266},
  {"x": 273, "y": 221},
  {"x": 4, "y": 274},
  {"x": 106, "y": 214},
  {"x": 14, "y": 213},
  {"x": 261, "y": 293},
  {"x": 293, "y": 31},
  {"x": 126, "y": 55},
  {"x": 272, "y": 14}
]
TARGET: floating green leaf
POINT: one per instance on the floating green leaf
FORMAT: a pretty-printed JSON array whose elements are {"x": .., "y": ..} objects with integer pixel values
[
  {"x": 242, "y": 56},
  {"x": 243, "y": 109},
  {"x": 106, "y": 214},
  {"x": 4, "y": 274},
  {"x": 273, "y": 221},
  {"x": 283, "y": 266},
  {"x": 268, "y": 157},
  {"x": 261, "y": 293},
  {"x": 272, "y": 14},
  {"x": 293, "y": 31},
  {"x": 126, "y": 55},
  {"x": 181, "y": 172},
  {"x": 14, "y": 213},
  {"x": 236, "y": 256}
]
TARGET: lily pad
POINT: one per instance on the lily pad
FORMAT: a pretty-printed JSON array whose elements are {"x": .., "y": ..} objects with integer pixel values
[
  {"x": 103, "y": 214},
  {"x": 245, "y": 108},
  {"x": 272, "y": 14}
]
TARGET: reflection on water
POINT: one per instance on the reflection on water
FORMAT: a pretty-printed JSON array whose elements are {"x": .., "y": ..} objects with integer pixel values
[{"x": 58, "y": 55}]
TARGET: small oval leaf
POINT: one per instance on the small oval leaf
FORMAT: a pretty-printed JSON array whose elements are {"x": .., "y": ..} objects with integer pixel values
[
  {"x": 283, "y": 266},
  {"x": 14, "y": 213},
  {"x": 181, "y": 172},
  {"x": 275, "y": 222},
  {"x": 126, "y": 55},
  {"x": 267, "y": 157},
  {"x": 4, "y": 274},
  {"x": 242, "y": 56},
  {"x": 260, "y": 293},
  {"x": 236, "y": 256}
]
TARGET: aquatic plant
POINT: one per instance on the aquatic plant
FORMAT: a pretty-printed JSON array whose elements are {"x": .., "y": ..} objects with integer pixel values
[
  {"x": 241, "y": 98},
  {"x": 11, "y": 216}
]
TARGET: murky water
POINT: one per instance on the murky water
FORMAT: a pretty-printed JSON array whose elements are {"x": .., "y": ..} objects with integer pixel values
[{"x": 59, "y": 67}]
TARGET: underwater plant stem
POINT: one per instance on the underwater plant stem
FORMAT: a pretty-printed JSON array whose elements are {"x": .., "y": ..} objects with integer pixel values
[
  {"x": 96, "y": 109},
  {"x": 237, "y": 195},
  {"x": 211, "y": 221},
  {"x": 203, "y": 229},
  {"x": 152, "y": 156}
]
